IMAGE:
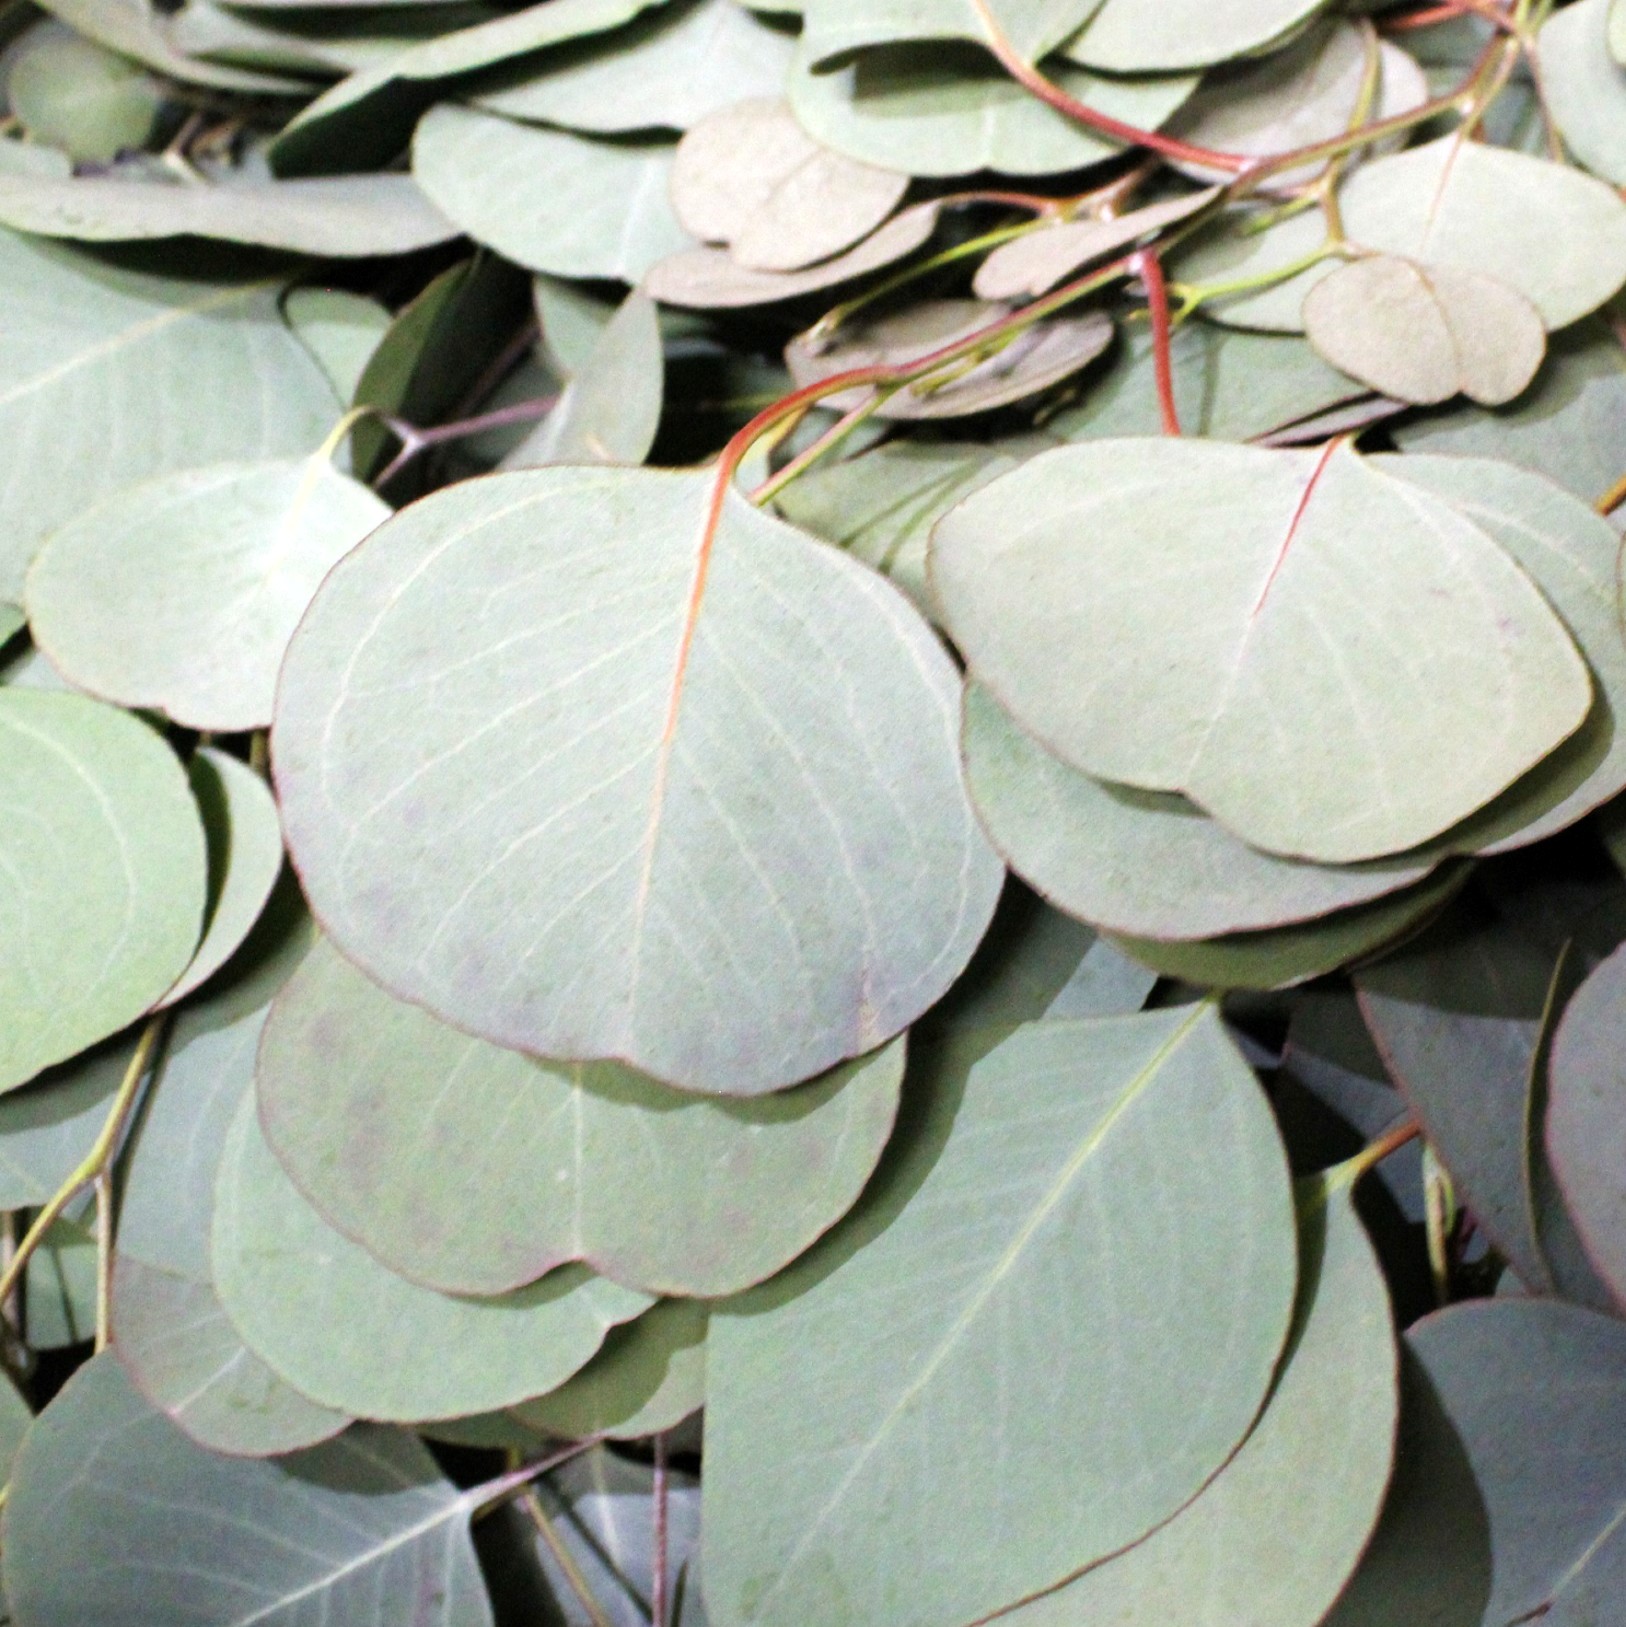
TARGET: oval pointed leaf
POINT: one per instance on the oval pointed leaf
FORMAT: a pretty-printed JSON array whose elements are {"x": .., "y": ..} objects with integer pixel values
[
  {"x": 716, "y": 908},
  {"x": 987, "y": 1243},
  {"x": 1380, "y": 655}
]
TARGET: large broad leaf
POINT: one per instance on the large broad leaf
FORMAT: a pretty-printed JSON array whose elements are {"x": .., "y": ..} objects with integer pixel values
[
  {"x": 105, "y": 875},
  {"x": 1333, "y": 664},
  {"x": 343, "y": 216},
  {"x": 759, "y": 855},
  {"x": 474, "y": 1169},
  {"x": 1508, "y": 1505},
  {"x": 547, "y": 199},
  {"x": 1585, "y": 87},
  {"x": 1004, "y": 1298},
  {"x": 667, "y": 70},
  {"x": 352, "y": 1335},
  {"x": 1565, "y": 426},
  {"x": 362, "y": 1530},
  {"x": 365, "y": 120},
  {"x": 72, "y": 94},
  {"x": 750, "y": 176},
  {"x": 113, "y": 374},
  {"x": 1140, "y": 36},
  {"x": 1557, "y": 236},
  {"x": 168, "y": 1327},
  {"x": 649, "y": 1376},
  {"x": 949, "y": 109},
  {"x": 1584, "y": 1119},
  {"x": 833, "y": 28},
  {"x": 1145, "y": 863},
  {"x": 181, "y": 594},
  {"x": 244, "y": 839},
  {"x": 1273, "y": 1539}
]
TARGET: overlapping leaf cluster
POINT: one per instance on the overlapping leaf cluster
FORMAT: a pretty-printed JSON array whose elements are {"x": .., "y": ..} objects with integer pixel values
[{"x": 929, "y": 669}]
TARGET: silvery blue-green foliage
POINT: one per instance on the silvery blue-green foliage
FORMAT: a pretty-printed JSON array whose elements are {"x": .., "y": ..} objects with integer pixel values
[{"x": 748, "y": 750}]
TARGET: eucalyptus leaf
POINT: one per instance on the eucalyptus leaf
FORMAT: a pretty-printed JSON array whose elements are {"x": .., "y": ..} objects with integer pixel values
[
  {"x": 1585, "y": 87},
  {"x": 900, "y": 1328},
  {"x": 74, "y": 94},
  {"x": 115, "y": 374},
  {"x": 647, "y": 1378},
  {"x": 1154, "y": 36},
  {"x": 716, "y": 907},
  {"x": 947, "y": 109},
  {"x": 47, "y": 1128},
  {"x": 667, "y": 70},
  {"x": 1259, "y": 629},
  {"x": 103, "y": 854},
  {"x": 833, "y": 28},
  {"x": 215, "y": 565},
  {"x": 363, "y": 1529},
  {"x": 341, "y": 329},
  {"x": 751, "y": 177},
  {"x": 60, "y": 1288},
  {"x": 547, "y": 199},
  {"x": 1144, "y": 863},
  {"x": 1272, "y": 1540},
  {"x": 340, "y": 1328},
  {"x": 473, "y": 1169}
]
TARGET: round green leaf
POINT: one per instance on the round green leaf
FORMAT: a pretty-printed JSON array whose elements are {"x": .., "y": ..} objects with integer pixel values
[
  {"x": 339, "y": 1327},
  {"x": 1141, "y": 862},
  {"x": 1585, "y": 1121},
  {"x": 667, "y": 70},
  {"x": 474, "y": 1169},
  {"x": 834, "y": 28},
  {"x": 547, "y": 199},
  {"x": 181, "y": 594},
  {"x": 1333, "y": 664},
  {"x": 1585, "y": 87},
  {"x": 1272, "y": 1540},
  {"x": 46, "y": 1129},
  {"x": 70, "y": 93},
  {"x": 1152, "y": 36},
  {"x": 360, "y": 1529},
  {"x": 1006, "y": 1297},
  {"x": 245, "y": 858},
  {"x": 649, "y": 1376},
  {"x": 759, "y": 856},
  {"x": 103, "y": 853}
]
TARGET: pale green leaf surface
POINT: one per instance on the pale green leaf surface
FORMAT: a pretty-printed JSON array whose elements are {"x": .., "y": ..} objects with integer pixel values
[
  {"x": 341, "y": 216},
  {"x": 1333, "y": 664},
  {"x": 1145, "y": 863},
  {"x": 1144, "y": 1359},
  {"x": 547, "y": 199},
  {"x": 1584, "y": 1119},
  {"x": 1572, "y": 554},
  {"x": 341, "y": 329},
  {"x": 362, "y": 1530},
  {"x": 572, "y": 317},
  {"x": 610, "y": 409},
  {"x": 832, "y": 28},
  {"x": 751, "y": 177},
  {"x": 1553, "y": 233},
  {"x": 340, "y": 1328},
  {"x": 1617, "y": 31},
  {"x": 1284, "y": 257},
  {"x": 1273, "y": 1539},
  {"x": 1424, "y": 333},
  {"x": 1154, "y": 36},
  {"x": 474, "y": 1169},
  {"x": 105, "y": 875},
  {"x": 113, "y": 375},
  {"x": 1565, "y": 426},
  {"x": 72, "y": 94},
  {"x": 711, "y": 278},
  {"x": 666, "y": 70},
  {"x": 46, "y": 1129},
  {"x": 648, "y": 1377},
  {"x": 1288, "y": 955},
  {"x": 1585, "y": 86},
  {"x": 949, "y": 109},
  {"x": 15, "y": 1417},
  {"x": 59, "y": 1288},
  {"x": 1038, "y": 356},
  {"x": 783, "y": 867},
  {"x": 180, "y": 1349},
  {"x": 181, "y": 594},
  {"x": 244, "y": 839},
  {"x": 1515, "y": 1511}
]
